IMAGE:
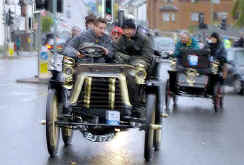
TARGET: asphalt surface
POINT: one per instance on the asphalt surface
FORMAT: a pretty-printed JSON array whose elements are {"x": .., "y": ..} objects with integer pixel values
[{"x": 192, "y": 135}]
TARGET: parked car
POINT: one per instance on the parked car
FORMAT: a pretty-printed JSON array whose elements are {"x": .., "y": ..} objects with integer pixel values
[
  {"x": 235, "y": 78},
  {"x": 163, "y": 46}
]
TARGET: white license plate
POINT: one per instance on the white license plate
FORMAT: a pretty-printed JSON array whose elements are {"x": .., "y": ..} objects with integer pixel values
[{"x": 113, "y": 117}]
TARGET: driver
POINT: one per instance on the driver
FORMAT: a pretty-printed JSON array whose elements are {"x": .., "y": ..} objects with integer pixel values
[
  {"x": 185, "y": 42},
  {"x": 92, "y": 37}
]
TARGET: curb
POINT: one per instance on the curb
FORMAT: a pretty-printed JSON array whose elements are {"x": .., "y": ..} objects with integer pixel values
[
  {"x": 9, "y": 57},
  {"x": 33, "y": 80}
]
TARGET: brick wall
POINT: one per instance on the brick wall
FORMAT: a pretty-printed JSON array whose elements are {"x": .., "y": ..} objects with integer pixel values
[{"x": 183, "y": 15}]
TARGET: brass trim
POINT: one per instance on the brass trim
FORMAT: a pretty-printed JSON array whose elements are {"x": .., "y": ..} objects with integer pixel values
[
  {"x": 81, "y": 78},
  {"x": 155, "y": 126},
  {"x": 112, "y": 92},
  {"x": 68, "y": 61},
  {"x": 124, "y": 89},
  {"x": 191, "y": 76},
  {"x": 215, "y": 67},
  {"x": 173, "y": 63},
  {"x": 77, "y": 88},
  {"x": 87, "y": 96},
  {"x": 140, "y": 80},
  {"x": 164, "y": 115}
]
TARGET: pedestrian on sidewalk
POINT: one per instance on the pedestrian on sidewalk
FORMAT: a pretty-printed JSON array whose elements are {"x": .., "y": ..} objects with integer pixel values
[{"x": 18, "y": 45}]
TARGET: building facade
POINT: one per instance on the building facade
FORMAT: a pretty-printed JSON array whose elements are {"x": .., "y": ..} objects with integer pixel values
[
  {"x": 1, "y": 22},
  {"x": 172, "y": 15}
]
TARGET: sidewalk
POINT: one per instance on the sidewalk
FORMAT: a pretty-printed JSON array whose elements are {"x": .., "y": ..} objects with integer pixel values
[
  {"x": 33, "y": 80},
  {"x": 21, "y": 69},
  {"x": 15, "y": 56}
]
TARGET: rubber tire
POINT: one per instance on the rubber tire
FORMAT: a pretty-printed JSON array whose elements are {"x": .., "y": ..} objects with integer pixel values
[
  {"x": 157, "y": 136},
  {"x": 242, "y": 91},
  {"x": 52, "y": 138},
  {"x": 149, "y": 132},
  {"x": 67, "y": 135},
  {"x": 157, "y": 133},
  {"x": 167, "y": 96},
  {"x": 175, "y": 99},
  {"x": 237, "y": 90}
]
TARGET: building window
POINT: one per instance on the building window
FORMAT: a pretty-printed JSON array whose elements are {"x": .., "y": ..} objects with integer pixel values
[
  {"x": 166, "y": 17},
  {"x": 173, "y": 17},
  {"x": 168, "y": 1},
  {"x": 195, "y": 17},
  {"x": 215, "y": 1}
]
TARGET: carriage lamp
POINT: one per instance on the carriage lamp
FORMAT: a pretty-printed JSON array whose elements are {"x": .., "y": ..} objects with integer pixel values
[
  {"x": 173, "y": 63},
  {"x": 215, "y": 67},
  {"x": 191, "y": 75},
  {"x": 68, "y": 61},
  {"x": 55, "y": 63},
  {"x": 68, "y": 70},
  {"x": 139, "y": 73}
]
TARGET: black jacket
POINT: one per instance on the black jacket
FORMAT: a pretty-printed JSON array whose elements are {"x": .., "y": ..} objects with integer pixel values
[
  {"x": 137, "y": 46},
  {"x": 219, "y": 52}
]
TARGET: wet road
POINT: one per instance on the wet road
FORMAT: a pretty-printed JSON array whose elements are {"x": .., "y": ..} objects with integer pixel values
[{"x": 192, "y": 135}]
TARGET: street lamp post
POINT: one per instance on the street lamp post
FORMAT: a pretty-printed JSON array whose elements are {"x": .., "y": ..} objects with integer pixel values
[{"x": 55, "y": 23}]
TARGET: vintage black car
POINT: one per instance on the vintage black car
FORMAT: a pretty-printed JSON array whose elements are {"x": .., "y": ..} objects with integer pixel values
[
  {"x": 99, "y": 100},
  {"x": 195, "y": 74}
]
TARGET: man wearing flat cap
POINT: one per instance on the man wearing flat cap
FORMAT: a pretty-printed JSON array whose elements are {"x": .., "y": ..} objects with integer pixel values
[{"x": 132, "y": 44}]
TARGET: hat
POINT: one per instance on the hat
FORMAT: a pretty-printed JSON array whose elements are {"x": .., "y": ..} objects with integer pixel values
[
  {"x": 129, "y": 24},
  {"x": 215, "y": 35},
  {"x": 117, "y": 29}
]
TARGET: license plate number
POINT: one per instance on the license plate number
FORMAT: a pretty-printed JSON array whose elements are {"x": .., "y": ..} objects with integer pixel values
[{"x": 113, "y": 117}]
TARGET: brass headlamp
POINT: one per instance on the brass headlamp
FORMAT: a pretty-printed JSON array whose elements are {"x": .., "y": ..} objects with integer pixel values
[
  {"x": 139, "y": 72},
  {"x": 68, "y": 70},
  {"x": 173, "y": 63}
]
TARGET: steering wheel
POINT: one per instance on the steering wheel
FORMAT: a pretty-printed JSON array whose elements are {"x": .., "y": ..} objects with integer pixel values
[{"x": 93, "y": 51}]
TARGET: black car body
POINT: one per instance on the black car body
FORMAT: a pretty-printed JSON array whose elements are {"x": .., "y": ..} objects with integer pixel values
[
  {"x": 235, "y": 78},
  {"x": 101, "y": 98},
  {"x": 194, "y": 74}
]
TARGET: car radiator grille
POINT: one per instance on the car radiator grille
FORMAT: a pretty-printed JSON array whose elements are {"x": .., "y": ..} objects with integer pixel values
[{"x": 101, "y": 93}]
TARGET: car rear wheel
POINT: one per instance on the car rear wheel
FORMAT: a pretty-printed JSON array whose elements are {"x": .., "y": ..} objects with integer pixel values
[
  {"x": 237, "y": 85},
  {"x": 157, "y": 133},
  {"x": 167, "y": 96},
  {"x": 52, "y": 131}
]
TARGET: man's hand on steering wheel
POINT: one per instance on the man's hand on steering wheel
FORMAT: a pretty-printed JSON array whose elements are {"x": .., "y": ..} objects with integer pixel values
[{"x": 79, "y": 55}]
